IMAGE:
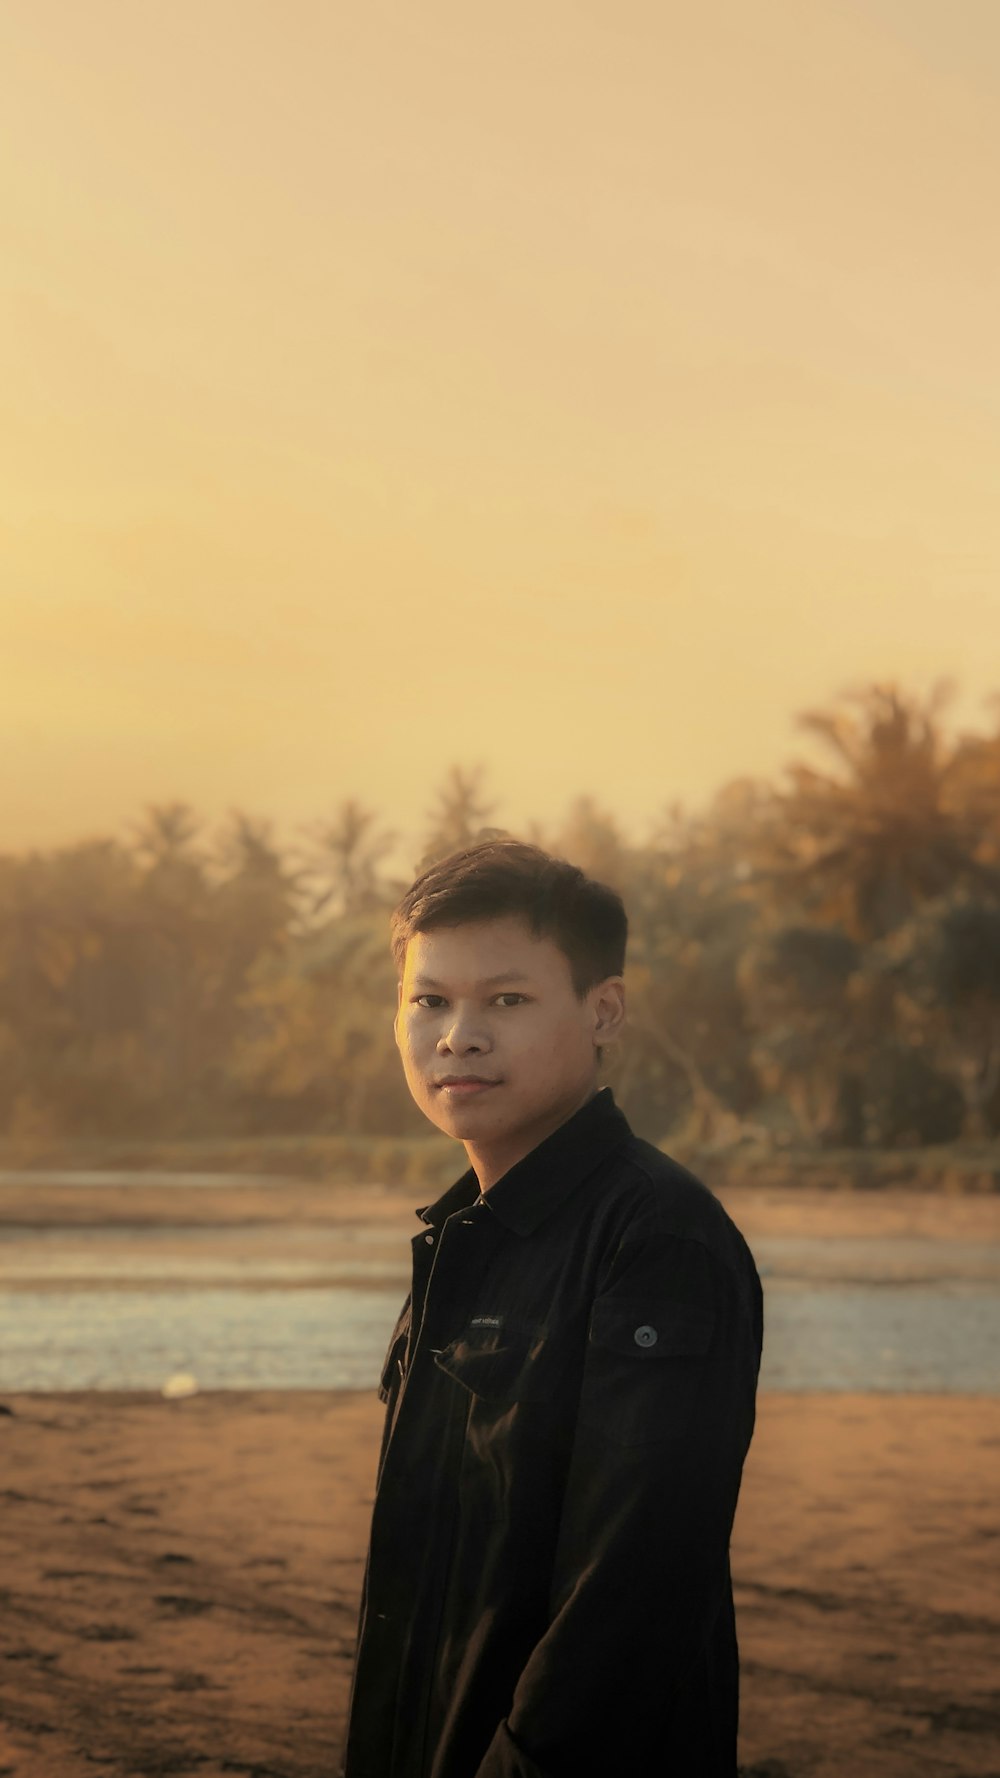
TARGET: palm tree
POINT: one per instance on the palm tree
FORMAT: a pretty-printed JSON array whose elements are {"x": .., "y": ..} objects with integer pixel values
[
  {"x": 684, "y": 1057},
  {"x": 867, "y": 848},
  {"x": 590, "y": 837},
  {"x": 255, "y": 906},
  {"x": 457, "y": 819},
  {"x": 166, "y": 835},
  {"x": 796, "y": 987},
  {"x": 946, "y": 963},
  {"x": 345, "y": 856}
]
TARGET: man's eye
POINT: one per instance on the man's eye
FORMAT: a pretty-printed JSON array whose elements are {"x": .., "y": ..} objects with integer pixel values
[{"x": 511, "y": 995}]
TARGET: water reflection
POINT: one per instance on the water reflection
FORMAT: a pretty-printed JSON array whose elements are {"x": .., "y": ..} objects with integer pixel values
[{"x": 80, "y": 1322}]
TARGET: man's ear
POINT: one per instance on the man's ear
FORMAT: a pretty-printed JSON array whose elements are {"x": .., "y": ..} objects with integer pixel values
[
  {"x": 399, "y": 1002},
  {"x": 609, "y": 1010}
]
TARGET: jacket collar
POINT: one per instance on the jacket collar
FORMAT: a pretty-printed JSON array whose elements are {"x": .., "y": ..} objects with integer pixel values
[{"x": 538, "y": 1183}]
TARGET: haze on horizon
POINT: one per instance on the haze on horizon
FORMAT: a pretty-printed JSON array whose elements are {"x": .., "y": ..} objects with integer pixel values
[{"x": 581, "y": 391}]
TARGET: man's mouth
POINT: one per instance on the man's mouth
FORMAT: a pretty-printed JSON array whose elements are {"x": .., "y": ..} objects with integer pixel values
[{"x": 465, "y": 1084}]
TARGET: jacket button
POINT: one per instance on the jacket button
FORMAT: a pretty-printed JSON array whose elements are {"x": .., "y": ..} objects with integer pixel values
[
  {"x": 645, "y": 1335},
  {"x": 429, "y": 1238}
]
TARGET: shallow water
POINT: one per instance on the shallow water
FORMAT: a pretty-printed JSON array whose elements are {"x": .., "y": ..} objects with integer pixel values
[
  {"x": 903, "y": 1314},
  {"x": 226, "y": 1338}
]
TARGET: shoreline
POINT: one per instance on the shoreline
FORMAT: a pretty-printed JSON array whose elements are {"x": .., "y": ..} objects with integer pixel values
[{"x": 760, "y": 1209}]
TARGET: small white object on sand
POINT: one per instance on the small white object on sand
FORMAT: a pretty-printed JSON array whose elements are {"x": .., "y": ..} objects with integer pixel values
[{"x": 181, "y": 1383}]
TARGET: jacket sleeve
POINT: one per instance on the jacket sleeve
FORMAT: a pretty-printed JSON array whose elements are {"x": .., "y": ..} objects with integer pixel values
[{"x": 641, "y": 1570}]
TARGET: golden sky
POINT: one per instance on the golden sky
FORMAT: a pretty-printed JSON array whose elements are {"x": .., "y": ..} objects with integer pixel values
[{"x": 576, "y": 389}]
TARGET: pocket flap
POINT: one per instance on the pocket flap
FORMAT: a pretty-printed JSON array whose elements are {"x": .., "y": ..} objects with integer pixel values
[{"x": 640, "y": 1327}]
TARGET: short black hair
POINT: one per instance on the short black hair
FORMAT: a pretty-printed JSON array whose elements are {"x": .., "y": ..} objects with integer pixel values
[{"x": 493, "y": 878}]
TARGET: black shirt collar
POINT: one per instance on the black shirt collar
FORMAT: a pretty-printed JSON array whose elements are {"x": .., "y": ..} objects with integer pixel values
[{"x": 538, "y": 1183}]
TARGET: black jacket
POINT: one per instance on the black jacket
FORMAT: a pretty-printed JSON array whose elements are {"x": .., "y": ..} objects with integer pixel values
[{"x": 570, "y": 1393}]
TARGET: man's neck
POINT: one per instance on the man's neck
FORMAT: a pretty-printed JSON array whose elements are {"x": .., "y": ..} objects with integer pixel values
[{"x": 490, "y": 1161}]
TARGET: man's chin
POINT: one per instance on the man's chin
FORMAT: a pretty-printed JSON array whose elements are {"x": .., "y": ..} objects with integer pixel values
[{"x": 461, "y": 1116}]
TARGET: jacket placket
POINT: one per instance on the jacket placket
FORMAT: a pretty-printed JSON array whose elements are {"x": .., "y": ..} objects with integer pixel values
[{"x": 428, "y": 1424}]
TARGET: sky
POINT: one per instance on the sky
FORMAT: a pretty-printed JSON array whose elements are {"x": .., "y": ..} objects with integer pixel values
[{"x": 576, "y": 392}]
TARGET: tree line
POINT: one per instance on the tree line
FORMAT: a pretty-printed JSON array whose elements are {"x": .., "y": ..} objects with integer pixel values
[{"x": 810, "y": 963}]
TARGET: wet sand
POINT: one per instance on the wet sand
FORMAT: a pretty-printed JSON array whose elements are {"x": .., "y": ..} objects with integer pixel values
[{"x": 180, "y": 1582}]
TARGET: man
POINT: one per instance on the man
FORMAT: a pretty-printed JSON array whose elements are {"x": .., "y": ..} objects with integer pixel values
[{"x": 570, "y": 1386}]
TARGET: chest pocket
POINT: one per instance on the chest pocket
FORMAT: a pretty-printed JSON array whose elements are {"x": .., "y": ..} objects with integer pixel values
[
  {"x": 522, "y": 1361},
  {"x": 645, "y": 1367}
]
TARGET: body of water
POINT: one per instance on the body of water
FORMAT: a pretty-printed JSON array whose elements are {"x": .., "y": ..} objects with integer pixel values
[{"x": 259, "y": 1308}]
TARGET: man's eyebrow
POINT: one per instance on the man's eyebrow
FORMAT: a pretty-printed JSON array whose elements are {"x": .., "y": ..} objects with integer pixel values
[{"x": 491, "y": 981}]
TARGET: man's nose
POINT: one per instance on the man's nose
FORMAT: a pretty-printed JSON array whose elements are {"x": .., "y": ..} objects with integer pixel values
[{"x": 465, "y": 1032}]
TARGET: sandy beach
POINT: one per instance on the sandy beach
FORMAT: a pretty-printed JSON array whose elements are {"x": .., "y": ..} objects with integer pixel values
[{"x": 181, "y": 1580}]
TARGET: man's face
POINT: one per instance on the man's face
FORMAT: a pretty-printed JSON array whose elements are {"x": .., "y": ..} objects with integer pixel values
[{"x": 490, "y": 999}]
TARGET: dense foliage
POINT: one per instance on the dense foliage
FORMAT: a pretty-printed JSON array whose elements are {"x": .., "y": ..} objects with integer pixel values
[{"x": 818, "y": 963}]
